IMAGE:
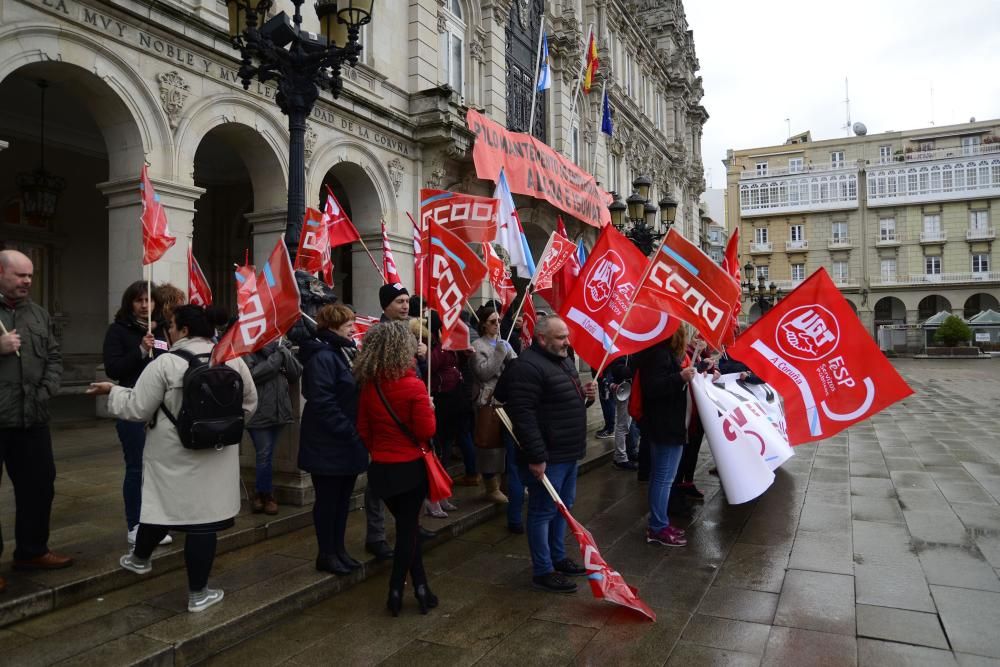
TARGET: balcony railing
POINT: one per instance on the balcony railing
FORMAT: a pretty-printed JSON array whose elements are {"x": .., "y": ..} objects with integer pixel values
[
  {"x": 814, "y": 168},
  {"x": 766, "y": 246},
  {"x": 799, "y": 192},
  {"x": 926, "y": 278},
  {"x": 838, "y": 242},
  {"x": 933, "y": 236},
  {"x": 980, "y": 234},
  {"x": 885, "y": 240},
  {"x": 796, "y": 245},
  {"x": 944, "y": 153},
  {"x": 971, "y": 177}
]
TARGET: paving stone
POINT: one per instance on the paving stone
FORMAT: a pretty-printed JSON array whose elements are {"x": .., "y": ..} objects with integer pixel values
[
  {"x": 970, "y": 619},
  {"x": 727, "y": 634},
  {"x": 913, "y": 480},
  {"x": 969, "y": 660},
  {"x": 922, "y": 500},
  {"x": 872, "y": 487},
  {"x": 864, "y": 469},
  {"x": 829, "y": 475},
  {"x": 817, "y": 601},
  {"x": 677, "y": 588},
  {"x": 962, "y": 567},
  {"x": 873, "y": 653},
  {"x": 823, "y": 552},
  {"x": 879, "y": 510},
  {"x": 822, "y": 517},
  {"x": 936, "y": 527},
  {"x": 627, "y": 639},
  {"x": 694, "y": 655},
  {"x": 755, "y": 567},
  {"x": 125, "y": 651},
  {"x": 903, "y": 464},
  {"x": 739, "y": 604},
  {"x": 981, "y": 518},
  {"x": 903, "y": 587},
  {"x": 882, "y": 544},
  {"x": 808, "y": 648},
  {"x": 539, "y": 642},
  {"x": 420, "y": 652},
  {"x": 989, "y": 546},
  {"x": 900, "y": 625}
]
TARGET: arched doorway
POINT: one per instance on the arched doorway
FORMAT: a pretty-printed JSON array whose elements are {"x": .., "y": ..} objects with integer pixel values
[
  {"x": 931, "y": 305},
  {"x": 889, "y": 310},
  {"x": 977, "y": 303},
  {"x": 754, "y": 313}
]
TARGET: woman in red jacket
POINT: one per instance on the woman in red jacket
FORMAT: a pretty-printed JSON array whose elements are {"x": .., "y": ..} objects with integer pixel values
[{"x": 396, "y": 420}]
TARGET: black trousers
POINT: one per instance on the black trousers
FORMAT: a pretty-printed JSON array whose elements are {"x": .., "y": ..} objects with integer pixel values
[
  {"x": 199, "y": 551},
  {"x": 405, "y": 508},
  {"x": 333, "y": 501},
  {"x": 689, "y": 459},
  {"x": 26, "y": 453}
]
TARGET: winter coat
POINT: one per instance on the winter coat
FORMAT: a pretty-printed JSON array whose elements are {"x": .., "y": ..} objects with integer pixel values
[
  {"x": 488, "y": 362},
  {"x": 664, "y": 395},
  {"x": 329, "y": 443},
  {"x": 544, "y": 399},
  {"x": 379, "y": 431},
  {"x": 124, "y": 360},
  {"x": 179, "y": 485},
  {"x": 28, "y": 381},
  {"x": 273, "y": 367}
]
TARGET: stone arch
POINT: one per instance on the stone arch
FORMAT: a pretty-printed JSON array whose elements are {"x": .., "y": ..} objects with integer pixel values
[
  {"x": 889, "y": 310},
  {"x": 536, "y": 228},
  {"x": 126, "y": 110},
  {"x": 360, "y": 160},
  {"x": 258, "y": 137},
  {"x": 754, "y": 313},
  {"x": 932, "y": 305},
  {"x": 979, "y": 302}
]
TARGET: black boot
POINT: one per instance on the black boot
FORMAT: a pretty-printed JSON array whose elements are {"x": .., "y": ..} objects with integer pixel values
[
  {"x": 395, "y": 602},
  {"x": 425, "y": 599},
  {"x": 346, "y": 559},
  {"x": 325, "y": 563}
]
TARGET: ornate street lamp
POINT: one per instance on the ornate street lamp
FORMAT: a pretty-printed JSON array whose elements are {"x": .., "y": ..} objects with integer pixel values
[
  {"x": 40, "y": 189},
  {"x": 300, "y": 63},
  {"x": 765, "y": 296},
  {"x": 641, "y": 225}
]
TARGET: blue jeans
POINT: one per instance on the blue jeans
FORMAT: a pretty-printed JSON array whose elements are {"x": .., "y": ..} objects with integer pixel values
[
  {"x": 133, "y": 438},
  {"x": 607, "y": 405},
  {"x": 664, "y": 459},
  {"x": 515, "y": 487},
  {"x": 264, "y": 442},
  {"x": 546, "y": 529}
]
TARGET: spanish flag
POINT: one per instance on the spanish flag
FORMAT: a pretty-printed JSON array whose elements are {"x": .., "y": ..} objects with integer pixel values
[{"x": 592, "y": 64}]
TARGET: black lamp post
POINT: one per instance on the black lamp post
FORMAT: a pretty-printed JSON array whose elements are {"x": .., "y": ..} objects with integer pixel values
[
  {"x": 765, "y": 296},
  {"x": 40, "y": 189},
  {"x": 644, "y": 229},
  {"x": 300, "y": 63}
]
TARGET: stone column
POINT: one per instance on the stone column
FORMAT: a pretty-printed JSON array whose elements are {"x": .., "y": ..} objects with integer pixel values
[{"x": 365, "y": 280}]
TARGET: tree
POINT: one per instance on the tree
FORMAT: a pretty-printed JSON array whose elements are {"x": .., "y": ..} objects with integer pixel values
[{"x": 953, "y": 331}]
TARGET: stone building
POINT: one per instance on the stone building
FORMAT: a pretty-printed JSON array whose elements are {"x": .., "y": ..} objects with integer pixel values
[
  {"x": 902, "y": 221},
  {"x": 129, "y": 81}
]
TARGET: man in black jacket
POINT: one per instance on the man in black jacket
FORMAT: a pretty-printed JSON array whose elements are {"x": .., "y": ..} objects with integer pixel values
[{"x": 546, "y": 402}]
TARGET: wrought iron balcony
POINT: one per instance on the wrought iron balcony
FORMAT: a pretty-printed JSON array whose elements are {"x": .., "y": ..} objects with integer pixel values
[{"x": 951, "y": 179}]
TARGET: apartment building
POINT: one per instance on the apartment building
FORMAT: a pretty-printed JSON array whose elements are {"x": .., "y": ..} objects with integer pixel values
[{"x": 904, "y": 222}]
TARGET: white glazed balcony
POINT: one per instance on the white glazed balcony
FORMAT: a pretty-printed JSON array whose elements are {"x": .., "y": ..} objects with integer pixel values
[
  {"x": 832, "y": 190},
  {"x": 793, "y": 246},
  {"x": 952, "y": 179},
  {"x": 925, "y": 278},
  {"x": 816, "y": 168},
  {"x": 982, "y": 234}
]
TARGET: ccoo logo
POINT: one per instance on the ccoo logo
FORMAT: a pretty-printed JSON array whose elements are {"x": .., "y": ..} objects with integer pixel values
[{"x": 809, "y": 333}]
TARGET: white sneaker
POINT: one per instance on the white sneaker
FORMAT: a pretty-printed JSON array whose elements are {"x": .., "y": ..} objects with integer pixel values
[
  {"x": 133, "y": 564},
  {"x": 132, "y": 533},
  {"x": 166, "y": 540},
  {"x": 202, "y": 600}
]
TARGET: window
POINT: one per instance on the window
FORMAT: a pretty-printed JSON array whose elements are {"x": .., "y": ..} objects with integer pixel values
[
  {"x": 795, "y": 165},
  {"x": 839, "y": 232},
  {"x": 628, "y": 75},
  {"x": 615, "y": 176},
  {"x": 576, "y": 144},
  {"x": 979, "y": 221},
  {"x": 798, "y": 271},
  {"x": 932, "y": 265},
  {"x": 926, "y": 146},
  {"x": 887, "y": 229},
  {"x": 762, "y": 272},
  {"x": 970, "y": 145},
  {"x": 452, "y": 58},
  {"x": 980, "y": 263},
  {"x": 889, "y": 269},
  {"x": 762, "y": 168},
  {"x": 885, "y": 154},
  {"x": 795, "y": 232},
  {"x": 840, "y": 272},
  {"x": 932, "y": 224},
  {"x": 837, "y": 159},
  {"x": 760, "y": 235}
]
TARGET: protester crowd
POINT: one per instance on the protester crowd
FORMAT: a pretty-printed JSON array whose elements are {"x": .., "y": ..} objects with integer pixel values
[{"x": 367, "y": 409}]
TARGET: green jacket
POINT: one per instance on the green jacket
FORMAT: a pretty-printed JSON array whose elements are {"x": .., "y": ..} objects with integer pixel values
[{"x": 27, "y": 382}]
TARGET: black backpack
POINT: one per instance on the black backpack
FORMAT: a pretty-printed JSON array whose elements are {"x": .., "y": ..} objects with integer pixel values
[{"x": 211, "y": 414}]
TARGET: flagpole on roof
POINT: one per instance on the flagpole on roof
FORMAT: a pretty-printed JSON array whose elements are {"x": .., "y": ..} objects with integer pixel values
[
  {"x": 579, "y": 76},
  {"x": 593, "y": 161},
  {"x": 538, "y": 65}
]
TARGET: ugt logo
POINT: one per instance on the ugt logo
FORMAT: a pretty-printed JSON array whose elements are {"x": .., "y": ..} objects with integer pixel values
[
  {"x": 809, "y": 333},
  {"x": 601, "y": 280}
]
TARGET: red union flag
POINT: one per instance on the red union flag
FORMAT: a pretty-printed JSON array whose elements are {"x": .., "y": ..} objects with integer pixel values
[
  {"x": 156, "y": 238},
  {"x": 731, "y": 265},
  {"x": 499, "y": 277},
  {"x": 557, "y": 251},
  {"x": 813, "y": 350},
  {"x": 600, "y": 299},
  {"x": 455, "y": 273},
  {"x": 268, "y": 307},
  {"x": 561, "y": 283},
  {"x": 470, "y": 218},
  {"x": 685, "y": 282},
  {"x": 530, "y": 318},
  {"x": 362, "y": 323},
  {"x": 313, "y": 255},
  {"x": 340, "y": 230},
  {"x": 388, "y": 261},
  {"x": 199, "y": 293}
]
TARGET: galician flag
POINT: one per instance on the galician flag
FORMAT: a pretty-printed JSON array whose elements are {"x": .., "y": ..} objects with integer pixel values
[
  {"x": 545, "y": 73},
  {"x": 510, "y": 234}
]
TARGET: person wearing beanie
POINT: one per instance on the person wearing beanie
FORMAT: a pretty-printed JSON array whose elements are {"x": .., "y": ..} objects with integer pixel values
[{"x": 395, "y": 302}]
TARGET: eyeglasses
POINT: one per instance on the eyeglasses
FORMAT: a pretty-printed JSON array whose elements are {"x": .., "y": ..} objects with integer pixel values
[{"x": 493, "y": 321}]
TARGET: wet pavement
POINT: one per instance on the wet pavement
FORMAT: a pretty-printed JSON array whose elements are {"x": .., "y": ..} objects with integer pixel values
[{"x": 879, "y": 546}]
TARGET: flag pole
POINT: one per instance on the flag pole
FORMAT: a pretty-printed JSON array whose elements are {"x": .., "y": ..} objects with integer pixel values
[
  {"x": 4, "y": 331},
  {"x": 423, "y": 304},
  {"x": 416, "y": 273},
  {"x": 149, "y": 300},
  {"x": 372, "y": 258},
  {"x": 593, "y": 161},
  {"x": 534, "y": 86},
  {"x": 520, "y": 307},
  {"x": 579, "y": 77}
]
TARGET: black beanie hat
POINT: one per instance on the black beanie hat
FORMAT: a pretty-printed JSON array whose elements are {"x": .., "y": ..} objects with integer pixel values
[{"x": 388, "y": 293}]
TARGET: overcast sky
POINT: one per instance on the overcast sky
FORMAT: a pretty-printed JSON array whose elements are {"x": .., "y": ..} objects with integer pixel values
[{"x": 767, "y": 60}]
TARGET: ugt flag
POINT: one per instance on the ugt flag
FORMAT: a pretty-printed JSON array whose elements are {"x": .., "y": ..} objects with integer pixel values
[
  {"x": 510, "y": 234},
  {"x": 455, "y": 273},
  {"x": 470, "y": 218},
  {"x": 499, "y": 277},
  {"x": 313, "y": 255},
  {"x": 199, "y": 293},
  {"x": 528, "y": 320},
  {"x": 389, "y": 271},
  {"x": 156, "y": 238},
  {"x": 684, "y": 282},
  {"x": 268, "y": 307},
  {"x": 596, "y": 307},
  {"x": 813, "y": 350},
  {"x": 556, "y": 253},
  {"x": 562, "y": 281}
]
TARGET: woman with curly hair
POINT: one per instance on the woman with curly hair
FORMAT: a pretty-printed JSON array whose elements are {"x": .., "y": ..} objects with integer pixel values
[{"x": 395, "y": 421}]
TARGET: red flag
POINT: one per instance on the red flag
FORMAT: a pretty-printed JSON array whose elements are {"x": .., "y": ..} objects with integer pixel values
[
  {"x": 557, "y": 251},
  {"x": 561, "y": 283},
  {"x": 455, "y": 273},
  {"x": 685, "y": 283},
  {"x": 199, "y": 293},
  {"x": 340, "y": 229},
  {"x": 593, "y": 62},
  {"x": 313, "y": 255},
  {"x": 156, "y": 238},
  {"x": 362, "y": 323},
  {"x": 470, "y": 218},
  {"x": 268, "y": 306},
  {"x": 731, "y": 265},
  {"x": 388, "y": 261},
  {"x": 530, "y": 318},
  {"x": 420, "y": 266},
  {"x": 601, "y": 297},
  {"x": 812, "y": 348},
  {"x": 499, "y": 277}
]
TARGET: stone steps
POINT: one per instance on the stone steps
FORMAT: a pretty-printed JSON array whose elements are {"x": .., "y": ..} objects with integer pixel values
[{"x": 113, "y": 617}]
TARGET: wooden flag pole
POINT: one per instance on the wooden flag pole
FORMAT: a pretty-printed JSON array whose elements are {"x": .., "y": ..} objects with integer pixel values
[
  {"x": 3, "y": 330},
  {"x": 149, "y": 300},
  {"x": 520, "y": 307},
  {"x": 372, "y": 258}
]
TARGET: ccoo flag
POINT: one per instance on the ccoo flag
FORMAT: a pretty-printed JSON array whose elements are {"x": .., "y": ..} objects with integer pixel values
[
  {"x": 199, "y": 293},
  {"x": 388, "y": 261},
  {"x": 156, "y": 238}
]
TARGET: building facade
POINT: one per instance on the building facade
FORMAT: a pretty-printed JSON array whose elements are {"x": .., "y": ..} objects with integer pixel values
[{"x": 904, "y": 222}]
